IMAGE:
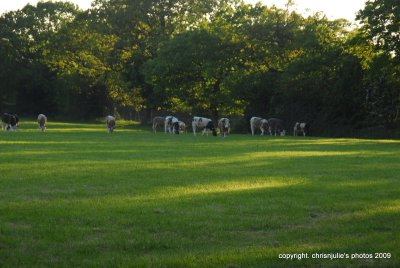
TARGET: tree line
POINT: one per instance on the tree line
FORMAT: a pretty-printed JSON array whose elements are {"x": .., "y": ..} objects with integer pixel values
[{"x": 211, "y": 58}]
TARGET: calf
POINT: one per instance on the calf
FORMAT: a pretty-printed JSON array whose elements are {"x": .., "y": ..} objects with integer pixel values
[
  {"x": 42, "y": 119},
  {"x": 158, "y": 121},
  {"x": 9, "y": 121},
  {"x": 205, "y": 123},
  {"x": 257, "y": 122},
  {"x": 110, "y": 120},
  {"x": 276, "y": 125},
  {"x": 171, "y": 124},
  {"x": 223, "y": 125},
  {"x": 300, "y": 128}
]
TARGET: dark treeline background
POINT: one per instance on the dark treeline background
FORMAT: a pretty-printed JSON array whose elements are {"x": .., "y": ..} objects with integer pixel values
[{"x": 210, "y": 58}]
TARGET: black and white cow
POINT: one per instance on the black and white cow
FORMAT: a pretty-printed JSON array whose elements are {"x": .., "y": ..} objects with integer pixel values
[
  {"x": 205, "y": 123},
  {"x": 171, "y": 125},
  {"x": 42, "y": 119},
  {"x": 158, "y": 121},
  {"x": 300, "y": 128},
  {"x": 223, "y": 125},
  {"x": 276, "y": 125},
  {"x": 258, "y": 122},
  {"x": 9, "y": 121},
  {"x": 110, "y": 120}
]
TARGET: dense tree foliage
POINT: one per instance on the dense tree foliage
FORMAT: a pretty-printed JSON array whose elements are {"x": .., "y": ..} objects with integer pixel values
[{"x": 212, "y": 58}]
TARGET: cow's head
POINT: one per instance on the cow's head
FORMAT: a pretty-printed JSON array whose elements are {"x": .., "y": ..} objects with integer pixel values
[
  {"x": 176, "y": 127},
  {"x": 225, "y": 123},
  {"x": 265, "y": 124}
]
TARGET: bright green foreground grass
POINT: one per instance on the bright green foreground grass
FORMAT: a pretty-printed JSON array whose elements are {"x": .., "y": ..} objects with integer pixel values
[{"x": 76, "y": 196}]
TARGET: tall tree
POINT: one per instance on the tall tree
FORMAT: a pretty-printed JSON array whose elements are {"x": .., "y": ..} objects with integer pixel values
[{"x": 381, "y": 21}]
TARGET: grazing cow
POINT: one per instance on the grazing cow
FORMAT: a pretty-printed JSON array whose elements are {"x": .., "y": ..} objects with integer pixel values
[
  {"x": 110, "y": 123},
  {"x": 9, "y": 121},
  {"x": 276, "y": 125},
  {"x": 182, "y": 127},
  {"x": 171, "y": 125},
  {"x": 205, "y": 123},
  {"x": 257, "y": 122},
  {"x": 42, "y": 119},
  {"x": 158, "y": 121},
  {"x": 300, "y": 128},
  {"x": 223, "y": 125}
]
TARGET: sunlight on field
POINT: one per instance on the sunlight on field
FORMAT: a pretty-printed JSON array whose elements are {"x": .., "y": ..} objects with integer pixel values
[
  {"x": 59, "y": 127},
  {"x": 225, "y": 187},
  {"x": 289, "y": 154},
  {"x": 392, "y": 207}
]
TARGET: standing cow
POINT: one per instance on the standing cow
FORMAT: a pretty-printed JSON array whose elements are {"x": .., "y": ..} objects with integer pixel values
[
  {"x": 205, "y": 123},
  {"x": 300, "y": 128},
  {"x": 158, "y": 121},
  {"x": 9, "y": 121},
  {"x": 276, "y": 125},
  {"x": 257, "y": 122},
  {"x": 110, "y": 120},
  {"x": 223, "y": 125},
  {"x": 42, "y": 119},
  {"x": 171, "y": 125}
]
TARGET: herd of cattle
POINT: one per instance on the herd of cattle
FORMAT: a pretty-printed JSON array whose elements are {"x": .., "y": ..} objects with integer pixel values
[
  {"x": 273, "y": 126},
  {"x": 172, "y": 125}
]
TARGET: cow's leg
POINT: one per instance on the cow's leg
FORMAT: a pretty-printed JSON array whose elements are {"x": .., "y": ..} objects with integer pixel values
[
  {"x": 194, "y": 130},
  {"x": 252, "y": 129}
]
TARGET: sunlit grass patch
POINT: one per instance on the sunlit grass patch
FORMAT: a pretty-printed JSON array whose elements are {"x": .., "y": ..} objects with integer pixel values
[{"x": 76, "y": 195}]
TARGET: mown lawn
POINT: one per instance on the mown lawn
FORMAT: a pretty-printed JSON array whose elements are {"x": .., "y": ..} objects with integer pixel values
[{"x": 76, "y": 196}]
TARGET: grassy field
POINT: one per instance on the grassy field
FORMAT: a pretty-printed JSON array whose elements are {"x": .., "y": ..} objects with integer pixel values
[{"x": 76, "y": 196}]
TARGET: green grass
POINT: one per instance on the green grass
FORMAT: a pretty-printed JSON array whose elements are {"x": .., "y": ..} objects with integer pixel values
[{"x": 76, "y": 196}]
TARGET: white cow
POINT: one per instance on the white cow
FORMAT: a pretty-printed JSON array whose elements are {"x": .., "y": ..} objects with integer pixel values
[
  {"x": 158, "y": 121},
  {"x": 171, "y": 125},
  {"x": 258, "y": 122},
  {"x": 205, "y": 123},
  {"x": 299, "y": 127},
  {"x": 223, "y": 125},
  {"x": 110, "y": 120},
  {"x": 42, "y": 119}
]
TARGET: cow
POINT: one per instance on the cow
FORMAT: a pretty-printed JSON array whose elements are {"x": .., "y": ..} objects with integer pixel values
[
  {"x": 257, "y": 122},
  {"x": 300, "y": 128},
  {"x": 110, "y": 120},
  {"x": 223, "y": 125},
  {"x": 9, "y": 121},
  {"x": 171, "y": 125},
  {"x": 205, "y": 123},
  {"x": 42, "y": 119},
  {"x": 182, "y": 127},
  {"x": 275, "y": 125},
  {"x": 158, "y": 121}
]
